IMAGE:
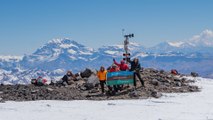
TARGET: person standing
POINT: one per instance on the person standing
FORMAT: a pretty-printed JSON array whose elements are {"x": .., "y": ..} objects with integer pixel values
[
  {"x": 136, "y": 67},
  {"x": 123, "y": 66},
  {"x": 102, "y": 77}
]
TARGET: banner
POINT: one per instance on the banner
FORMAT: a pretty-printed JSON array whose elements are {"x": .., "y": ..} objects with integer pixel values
[{"x": 120, "y": 78}]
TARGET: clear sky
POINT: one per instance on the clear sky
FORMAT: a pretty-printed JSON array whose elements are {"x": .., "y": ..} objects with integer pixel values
[{"x": 25, "y": 25}]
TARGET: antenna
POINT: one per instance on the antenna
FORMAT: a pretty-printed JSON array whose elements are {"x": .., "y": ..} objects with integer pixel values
[{"x": 126, "y": 43}]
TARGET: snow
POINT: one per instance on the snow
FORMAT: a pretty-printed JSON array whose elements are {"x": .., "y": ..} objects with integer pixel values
[
  {"x": 176, "y": 44},
  {"x": 72, "y": 58},
  {"x": 71, "y": 51},
  {"x": 65, "y": 46},
  {"x": 85, "y": 53},
  {"x": 134, "y": 44},
  {"x": 56, "y": 40},
  {"x": 58, "y": 71},
  {"x": 9, "y": 58},
  {"x": 142, "y": 54},
  {"x": 81, "y": 58},
  {"x": 119, "y": 46},
  {"x": 111, "y": 52},
  {"x": 184, "y": 106}
]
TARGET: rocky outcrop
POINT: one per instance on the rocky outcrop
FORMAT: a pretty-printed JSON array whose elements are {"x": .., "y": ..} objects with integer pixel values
[{"x": 87, "y": 88}]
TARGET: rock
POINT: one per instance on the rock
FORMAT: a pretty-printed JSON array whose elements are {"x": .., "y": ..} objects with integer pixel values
[
  {"x": 193, "y": 88},
  {"x": 94, "y": 91},
  {"x": 167, "y": 84},
  {"x": 177, "y": 79},
  {"x": 155, "y": 82},
  {"x": 156, "y": 94},
  {"x": 89, "y": 86},
  {"x": 162, "y": 71},
  {"x": 93, "y": 79},
  {"x": 133, "y": 94},
  {"x": 162, "y": 80},
  {"x": 86, "y": 73},
  {"x": 1, "y": 100},
  {"x": 111, "y": 104},
  {"x": 34, "y": 91},
  {"x": 194, "y": 74},
  {"x": 83, "y": 88},
  {"x": 91, "y": 82},
  {"x": 183, "y": 79},
  {"x": 178, "y": 84},
  {"x": 50, "y": 89},
  {"x": 88, "y": 89}
]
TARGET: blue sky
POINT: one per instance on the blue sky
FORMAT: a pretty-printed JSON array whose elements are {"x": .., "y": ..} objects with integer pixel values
[{"x": 25, "y": 25}]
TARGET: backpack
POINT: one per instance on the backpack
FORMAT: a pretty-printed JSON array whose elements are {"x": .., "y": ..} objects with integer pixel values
[{"x": 174, "y": 72}]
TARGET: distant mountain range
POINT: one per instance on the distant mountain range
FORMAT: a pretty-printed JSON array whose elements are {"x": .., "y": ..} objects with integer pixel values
[{"x": 58, "y": 55}]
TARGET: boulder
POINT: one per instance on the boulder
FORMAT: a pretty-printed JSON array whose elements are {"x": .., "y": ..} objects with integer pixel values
[
  {"x": 162, "y": 71},
  {"x": 89, "y": 86},
  {"x": 178, "y": 84},
  {"x": 93, "y": 79},
  {"x": 133, "y": 94},
  {"x": 156, "y": 94},
  {"x": 50, "y": 89},
  {"x": 194, "y": 74},
  {"x": 155, "y": 82},
  {"x": 86, "y": 73}
]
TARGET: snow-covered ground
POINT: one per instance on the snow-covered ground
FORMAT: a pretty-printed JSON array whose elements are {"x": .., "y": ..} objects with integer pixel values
[{"x": 187, "y": 106}]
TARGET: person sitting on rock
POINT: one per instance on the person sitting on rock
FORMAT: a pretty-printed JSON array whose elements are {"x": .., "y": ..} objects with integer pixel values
[
  {"x": 122, "y": 66},
  {"x": 102, "y": 77},
  {"x": 136, "y": 67},
  {"x": 68, "y": 78}
]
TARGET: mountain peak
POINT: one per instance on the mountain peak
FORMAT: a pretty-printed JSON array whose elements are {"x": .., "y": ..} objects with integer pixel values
[{"x": 59, "y": 40}]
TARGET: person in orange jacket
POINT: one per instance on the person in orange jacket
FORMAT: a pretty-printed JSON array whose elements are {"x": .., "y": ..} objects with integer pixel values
[{"x": 102, "y": 77}]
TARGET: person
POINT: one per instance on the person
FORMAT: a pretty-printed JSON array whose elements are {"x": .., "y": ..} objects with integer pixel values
[
  {"x": 123, "y": 66},
  {"x": 114, "y": 68},
  {"x": 102, "y": 77},
  {"x": 68, "y": 78},
  {"x": 136, "y": 67}
]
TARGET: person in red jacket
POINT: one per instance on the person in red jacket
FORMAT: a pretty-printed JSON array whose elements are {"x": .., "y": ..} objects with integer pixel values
[
  {"x": 114, "y": 68},
  {"x": 123, "y": 66}
]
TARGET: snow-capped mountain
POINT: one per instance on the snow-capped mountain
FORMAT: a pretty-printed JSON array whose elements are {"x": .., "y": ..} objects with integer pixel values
[
  {"x": 198, "y": 43},
  {"x": 58, "y": 55}
]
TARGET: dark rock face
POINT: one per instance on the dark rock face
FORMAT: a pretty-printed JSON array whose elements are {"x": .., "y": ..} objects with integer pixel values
[
  {"x": 87, "y": 88},
  {"x": 194, "y": 74}
]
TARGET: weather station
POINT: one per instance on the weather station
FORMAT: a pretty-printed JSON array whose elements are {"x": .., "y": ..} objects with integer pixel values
[{"x": 126, "y": 47}]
